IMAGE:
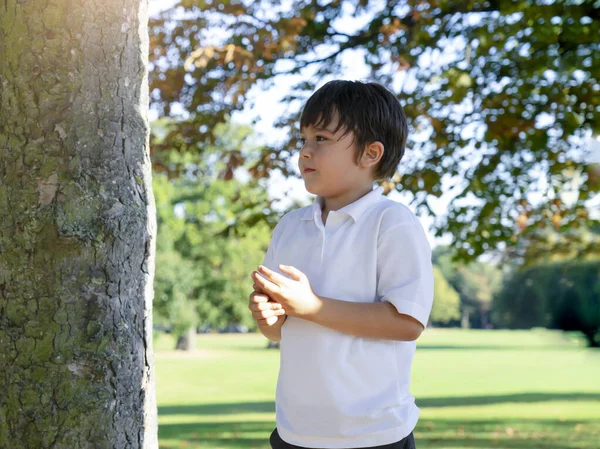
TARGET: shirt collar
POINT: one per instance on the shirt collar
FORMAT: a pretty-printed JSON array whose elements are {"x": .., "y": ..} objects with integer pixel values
[{"x": 355, "y": 209}]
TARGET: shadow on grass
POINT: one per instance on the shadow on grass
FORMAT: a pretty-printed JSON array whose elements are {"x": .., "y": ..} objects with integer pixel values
[
  {"x": 440, "y": 348},
  {"x": 506, "y": 398},
  {"x": 519, "y": 348},
  {"x": 430, "y": 434},
  {"x": 532, "y": 348},
  {"x": 218, "y": 409},
  {"x": 506, "y": 434},
  {"x": 230, "y": 435},
  {"x": 269, "y": 406}
]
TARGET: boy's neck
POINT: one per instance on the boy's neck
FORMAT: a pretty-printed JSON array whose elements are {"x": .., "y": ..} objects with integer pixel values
[{"x": 340, "y": 201}]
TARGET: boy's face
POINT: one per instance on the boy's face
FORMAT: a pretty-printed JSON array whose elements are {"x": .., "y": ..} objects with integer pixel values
[{"x": 328, "y": 163}]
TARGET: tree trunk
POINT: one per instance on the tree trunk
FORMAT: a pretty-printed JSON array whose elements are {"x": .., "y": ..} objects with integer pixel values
[
  {"x": 78, "y": 227},
  {"x": 483, "y": 314},
  {"x": 590, "y": 336},
  {"x": 465, "y": 320},
  {"x": 187, "y": 341},
  {"x": 273, "y": 345}
]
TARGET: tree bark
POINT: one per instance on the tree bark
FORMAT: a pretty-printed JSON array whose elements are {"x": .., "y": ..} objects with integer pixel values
[{"x": 78, "y": 230}]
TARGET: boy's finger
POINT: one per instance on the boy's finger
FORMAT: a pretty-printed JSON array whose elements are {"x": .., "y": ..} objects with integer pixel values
[
  {"x": 272, "y": 275},
  {"x": 263, "y": 314},
  {"x": 258, "y": 297},
  {"x": 294, "y": 272},
  {"x": 262, "y": 323},
  {"x": 270, "y": 321},
  {"x": 257, "y": 306},
  {"x": 258, "y": 288},
  {"x": 267, "y": 321},
  {"x": 266, "y": 285},
  {"x": 268, "y": 305},
  {"x": 275, "y": 307}
]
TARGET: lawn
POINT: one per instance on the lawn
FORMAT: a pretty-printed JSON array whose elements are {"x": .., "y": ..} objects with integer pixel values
[{"x": 476, "y": 389}]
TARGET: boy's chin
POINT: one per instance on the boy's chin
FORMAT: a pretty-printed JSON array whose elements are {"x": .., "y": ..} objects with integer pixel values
[{"x": 311, "y": 189}]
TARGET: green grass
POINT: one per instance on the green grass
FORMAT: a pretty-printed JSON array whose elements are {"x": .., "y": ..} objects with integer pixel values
[{"x": 476, "y": 389}]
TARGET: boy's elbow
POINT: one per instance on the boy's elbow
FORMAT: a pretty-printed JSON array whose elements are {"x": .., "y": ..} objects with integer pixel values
[
  {"x": 417, "y": 330},
  {"x": 412, "y": 328}
]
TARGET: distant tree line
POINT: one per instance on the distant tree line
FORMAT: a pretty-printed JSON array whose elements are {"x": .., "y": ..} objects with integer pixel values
[{"x": 562, "y": 295}]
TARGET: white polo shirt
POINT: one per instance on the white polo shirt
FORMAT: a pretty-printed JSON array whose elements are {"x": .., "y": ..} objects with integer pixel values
[{"x": 336, "y": 390}]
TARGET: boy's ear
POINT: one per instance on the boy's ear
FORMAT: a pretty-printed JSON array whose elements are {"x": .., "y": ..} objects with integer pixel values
[{"x": 372, "y": 154}]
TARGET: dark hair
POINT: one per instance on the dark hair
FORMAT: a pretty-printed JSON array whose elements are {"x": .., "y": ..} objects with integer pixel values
[{"x": 368, "y": 110}]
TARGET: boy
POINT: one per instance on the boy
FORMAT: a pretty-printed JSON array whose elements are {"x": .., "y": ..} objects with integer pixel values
[{"x": 347, "y": 283}]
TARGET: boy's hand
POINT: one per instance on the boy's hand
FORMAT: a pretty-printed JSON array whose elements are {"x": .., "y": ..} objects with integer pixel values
[
  {"x": 295, "y": 295},
  {"x": 264, "y": 311}
]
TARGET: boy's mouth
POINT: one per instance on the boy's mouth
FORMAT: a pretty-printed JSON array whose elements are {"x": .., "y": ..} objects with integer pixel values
[{"x": 308, "y": 170}]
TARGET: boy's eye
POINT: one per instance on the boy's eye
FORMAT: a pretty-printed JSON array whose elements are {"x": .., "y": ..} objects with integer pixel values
[{"x": 302, "y": 141}]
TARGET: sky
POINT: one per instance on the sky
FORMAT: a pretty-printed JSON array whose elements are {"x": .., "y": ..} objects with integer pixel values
[{"x": 269, "y": 108}]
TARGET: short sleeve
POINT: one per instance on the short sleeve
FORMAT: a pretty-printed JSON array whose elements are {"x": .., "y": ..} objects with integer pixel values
[{"x": 405, "y": 270}]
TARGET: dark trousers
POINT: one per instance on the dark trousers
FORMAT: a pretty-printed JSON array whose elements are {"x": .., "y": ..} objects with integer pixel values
[{"x": 404, "y": 443}]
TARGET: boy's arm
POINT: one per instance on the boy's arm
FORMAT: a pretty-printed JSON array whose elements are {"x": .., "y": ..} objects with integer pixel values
[
  {"x": 378, "y": 320},
  {"x": 404, "y": 291}
]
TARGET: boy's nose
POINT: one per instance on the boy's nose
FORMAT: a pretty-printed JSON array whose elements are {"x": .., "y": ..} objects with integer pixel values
[{"x": 305, "y": 151}]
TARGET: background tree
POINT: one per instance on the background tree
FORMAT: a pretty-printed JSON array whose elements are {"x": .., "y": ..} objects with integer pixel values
[
  {"x": 479, "y": 281},
  {"x": 564, "y": 295},
  {"x": 212, "y": 232},
  {"x": 446, "y": 301},
  {"x": 78, "y": 227},
  {"x": 475, "y": 282},
  {"x": 500, "y": 94},
  {"x": 545, "y": 244}
]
